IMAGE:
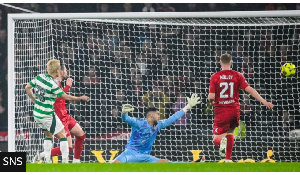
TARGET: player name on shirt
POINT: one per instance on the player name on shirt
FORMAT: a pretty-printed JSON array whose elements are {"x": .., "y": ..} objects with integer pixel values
[
  {"x": 226, "y": 77},
  {"x": 226, "y": 102}
]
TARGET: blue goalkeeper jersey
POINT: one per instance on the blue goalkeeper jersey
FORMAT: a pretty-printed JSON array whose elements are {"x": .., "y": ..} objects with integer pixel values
[{"x": 143, "y": 135}]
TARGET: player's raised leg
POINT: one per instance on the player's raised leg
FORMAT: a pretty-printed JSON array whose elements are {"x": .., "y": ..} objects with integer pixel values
[
  {"x": 220, "y": 127},
  {"x": 218, "y": 138},
  {"x": 221, "y": 142}
]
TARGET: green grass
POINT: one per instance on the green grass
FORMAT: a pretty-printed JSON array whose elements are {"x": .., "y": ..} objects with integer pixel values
[{"x": 166, "y": 167}]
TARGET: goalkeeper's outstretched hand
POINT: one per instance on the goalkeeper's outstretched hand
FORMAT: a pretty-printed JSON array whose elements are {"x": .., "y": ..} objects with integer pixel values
[
  {"x": 193, "y": 101},
  {"x": 127, "y": 108}
]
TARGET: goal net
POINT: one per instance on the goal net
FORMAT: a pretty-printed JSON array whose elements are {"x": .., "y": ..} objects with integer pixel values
[{"x": 158, "y": 62}]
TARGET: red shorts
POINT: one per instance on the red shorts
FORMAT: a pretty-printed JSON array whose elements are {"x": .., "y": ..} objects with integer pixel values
[
  {"x": 225, "y": 119},
  {"x": 69, "y": 122}
]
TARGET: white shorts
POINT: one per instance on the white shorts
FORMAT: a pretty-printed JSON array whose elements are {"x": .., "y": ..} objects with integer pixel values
[{"x": 51, "y": 124}]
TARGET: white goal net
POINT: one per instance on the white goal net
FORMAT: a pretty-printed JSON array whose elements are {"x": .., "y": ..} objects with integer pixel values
[{"x": 158, "y": 62}]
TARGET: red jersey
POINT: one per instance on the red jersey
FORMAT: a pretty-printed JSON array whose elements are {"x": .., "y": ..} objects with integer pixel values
[
  {"x": 60, "y": 104},
  {"x": 226, "y": 85}
]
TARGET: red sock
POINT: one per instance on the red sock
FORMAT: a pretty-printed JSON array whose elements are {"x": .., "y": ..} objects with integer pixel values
[
  {"x": 217, "y": 141},
  {"x": 56, "y": 151},
  {"x": 229, "y": 146},
  {"x": 78, "y": 146},
  {"x": 70, "y": 149}
]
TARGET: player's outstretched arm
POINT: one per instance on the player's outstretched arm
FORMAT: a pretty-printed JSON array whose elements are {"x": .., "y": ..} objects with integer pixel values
[
  {"x": 193, "y": 101},
  {"x": 130, "y": 120},
  {"x": 256, "y": 95},
  {"x": 73, "y": 98}
]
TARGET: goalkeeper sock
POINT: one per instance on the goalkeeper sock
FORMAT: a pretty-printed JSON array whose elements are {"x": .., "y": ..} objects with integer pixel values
[
  {"x": 78, "y": 146},
  {"x": 56, "y": 151},
  {"x": 47, "y": 149},
  {"x": 64, "y": 149},
  {"x": 217, "y": 141},
  {"x": 229, "y": 146}
]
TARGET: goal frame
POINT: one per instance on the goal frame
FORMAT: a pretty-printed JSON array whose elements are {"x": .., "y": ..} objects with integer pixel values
[{"x": 134, "y": 15}]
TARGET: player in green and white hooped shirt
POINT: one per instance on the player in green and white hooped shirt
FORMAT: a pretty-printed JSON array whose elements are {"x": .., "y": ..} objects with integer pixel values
[{"x": 46, "y": 90}]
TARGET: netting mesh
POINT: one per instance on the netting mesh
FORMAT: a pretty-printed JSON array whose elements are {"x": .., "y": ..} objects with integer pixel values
[{"x": 158, "y": 62}]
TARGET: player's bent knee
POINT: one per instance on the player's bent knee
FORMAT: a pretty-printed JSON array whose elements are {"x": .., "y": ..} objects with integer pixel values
[
  {"x": 82, "y": 137},
  {"x": 77, "y": 130},
  {"x": 163, "y": 161},
  {"x": 82, "y": 133}
]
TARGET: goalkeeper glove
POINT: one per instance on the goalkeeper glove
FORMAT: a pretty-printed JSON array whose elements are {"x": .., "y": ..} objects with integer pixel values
[
  {"x": 193, "y": 101},
  {"x": 127, "y": 108}
]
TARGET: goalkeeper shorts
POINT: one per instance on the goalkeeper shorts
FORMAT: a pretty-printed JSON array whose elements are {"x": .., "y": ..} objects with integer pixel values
[{"x": 133, "y": 156}]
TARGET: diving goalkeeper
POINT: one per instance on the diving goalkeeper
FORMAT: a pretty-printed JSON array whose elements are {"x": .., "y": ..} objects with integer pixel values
[{"x": 144, "y": 132}]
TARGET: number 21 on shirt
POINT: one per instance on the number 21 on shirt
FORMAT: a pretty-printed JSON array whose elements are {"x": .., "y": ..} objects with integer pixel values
[{"x": 226, "y": 85}]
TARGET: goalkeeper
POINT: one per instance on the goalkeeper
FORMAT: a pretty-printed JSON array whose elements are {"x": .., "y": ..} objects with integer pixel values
[{"x": 144, "y": 132}]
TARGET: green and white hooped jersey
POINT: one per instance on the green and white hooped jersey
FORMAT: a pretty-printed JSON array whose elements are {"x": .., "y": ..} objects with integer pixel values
[{"x": 46, "y": 91}]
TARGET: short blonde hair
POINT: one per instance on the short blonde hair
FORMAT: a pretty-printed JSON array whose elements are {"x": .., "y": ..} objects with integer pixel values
[{"x": 53, "y": 66}]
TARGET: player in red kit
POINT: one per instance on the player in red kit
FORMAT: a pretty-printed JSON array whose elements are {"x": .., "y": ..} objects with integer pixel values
[
  {"x": 70, "y": 124},
  {"x": 224, "y": 94}
]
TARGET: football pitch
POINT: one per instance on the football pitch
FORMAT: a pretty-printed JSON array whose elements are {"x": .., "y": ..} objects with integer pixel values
[{"x": 166, "y": 167}]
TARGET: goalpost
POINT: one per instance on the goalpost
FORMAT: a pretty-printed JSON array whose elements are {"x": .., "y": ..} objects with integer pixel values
[{"x": 156, "y": 59}]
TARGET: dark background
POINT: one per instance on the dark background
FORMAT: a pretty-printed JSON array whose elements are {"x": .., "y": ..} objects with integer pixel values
[
  {"x": 266, "y": 129},
  {"x": 86, "y": 8}
]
